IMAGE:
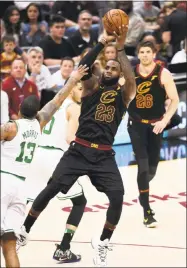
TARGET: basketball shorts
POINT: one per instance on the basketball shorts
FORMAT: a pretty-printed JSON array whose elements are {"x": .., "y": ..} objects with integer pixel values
[
  {"x": 42, "y": 167},
  {"x": 13, "y": 204},
  {"x": 100, "y": 166}
]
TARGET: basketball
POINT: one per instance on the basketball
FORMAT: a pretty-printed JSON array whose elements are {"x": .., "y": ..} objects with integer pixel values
[{"x": 113, "y": 19}]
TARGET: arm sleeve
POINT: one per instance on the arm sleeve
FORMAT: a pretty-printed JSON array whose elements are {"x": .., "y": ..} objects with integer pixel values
[{"x": 89, "y": 59}]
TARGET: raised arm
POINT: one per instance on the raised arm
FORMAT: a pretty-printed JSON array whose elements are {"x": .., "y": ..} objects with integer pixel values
[
  {"x": 90, "y": 81},
  {"x": 46, "y": 113},
  {"x": 129, "y": 91}
]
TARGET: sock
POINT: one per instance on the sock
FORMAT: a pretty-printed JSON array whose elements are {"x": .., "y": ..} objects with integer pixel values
[
  {"x": 68, "y": 235},
  {"x": 29, "y": 221},
  {"x": 107, "y": 232},
  {"x": 144, "y": 201}
]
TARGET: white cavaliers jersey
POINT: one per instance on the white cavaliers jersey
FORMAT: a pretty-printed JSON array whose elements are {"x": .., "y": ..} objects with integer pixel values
[
  {"x": 17, "y": 154},
  {"x": 54, "y": 133}
]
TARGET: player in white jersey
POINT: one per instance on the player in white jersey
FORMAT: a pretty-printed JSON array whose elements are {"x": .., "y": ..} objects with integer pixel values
[
  {"x": 55, "y": 140},
  {"x": 19, "y": 140}
]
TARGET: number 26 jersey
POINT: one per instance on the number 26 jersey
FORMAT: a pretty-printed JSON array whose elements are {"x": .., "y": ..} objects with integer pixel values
[{"x": 149, "y": 102}]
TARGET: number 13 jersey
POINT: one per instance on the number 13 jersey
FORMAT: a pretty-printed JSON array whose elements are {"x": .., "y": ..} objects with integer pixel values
[
  {"x": 17, "y": 154},
  {"x": 149, "y": 102},
  {"x": 101, "y": 114}
]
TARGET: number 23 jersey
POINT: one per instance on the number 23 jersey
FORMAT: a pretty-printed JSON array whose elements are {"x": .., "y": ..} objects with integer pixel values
[
  {"x": 101, "y": 114},
  {"x": 17, "y": 154},
  {"x": 149, "y": 102}
]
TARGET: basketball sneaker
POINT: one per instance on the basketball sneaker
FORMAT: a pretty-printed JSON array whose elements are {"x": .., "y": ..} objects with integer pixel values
[
  {"x": 149, "y": 220},
  {"x": 23, "y": 238},
  {"x": 100, "y": 248},
  {"x": 65, "y": 256}
]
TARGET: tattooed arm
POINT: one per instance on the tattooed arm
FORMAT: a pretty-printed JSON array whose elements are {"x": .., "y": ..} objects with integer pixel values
[
  {"x": 129, "y": 90},
  {"x": 46, "y": 113},
  {"x": 8, "y": 131}
]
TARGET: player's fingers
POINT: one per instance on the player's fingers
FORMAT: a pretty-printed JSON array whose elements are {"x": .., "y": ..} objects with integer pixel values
[{"x": 115, "y": 34}]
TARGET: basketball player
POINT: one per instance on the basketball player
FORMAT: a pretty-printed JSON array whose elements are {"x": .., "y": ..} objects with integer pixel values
[
  {"x": 148, "y": 119},
  {"x": 104, "y": 103},
  {"x": 19, "y": 140},
  {"x": 55, "y": 140}
]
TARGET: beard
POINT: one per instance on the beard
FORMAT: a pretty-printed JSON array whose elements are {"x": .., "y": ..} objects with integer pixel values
[{"x": 109, "y": 82}]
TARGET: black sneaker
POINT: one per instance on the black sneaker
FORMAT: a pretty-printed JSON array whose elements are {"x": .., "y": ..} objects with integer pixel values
[
  {"x": 152, "y": 211},
  {"x": 149, "y": 220},
  {"x": 65, "y": 256}
]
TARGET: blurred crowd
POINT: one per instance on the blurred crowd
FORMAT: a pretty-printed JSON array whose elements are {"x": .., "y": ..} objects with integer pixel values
[{"x": 42, "y": 42}]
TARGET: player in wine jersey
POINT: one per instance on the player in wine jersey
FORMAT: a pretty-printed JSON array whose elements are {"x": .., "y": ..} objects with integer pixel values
[
  {"x": 148, "y": 118},
  {"x": 55, "y": 140},
  {"x": 104, "y": 103},
  {"x": 19, "y": 140}
]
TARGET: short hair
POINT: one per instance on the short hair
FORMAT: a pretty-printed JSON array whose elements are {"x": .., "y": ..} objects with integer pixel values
[
  {"x": 84, "y": 11},
  {"x": 56, "y": 19},
  {"x": 146, "y": 44},
  {"x": 116, "y": 60},
  {"x": 30, "y": 107},
  {"x": 19, "y": 59},
  {"x": 37, "y": 49},
  {"x": 8, "y": 38},
  {"x": 67, "y": 58}
]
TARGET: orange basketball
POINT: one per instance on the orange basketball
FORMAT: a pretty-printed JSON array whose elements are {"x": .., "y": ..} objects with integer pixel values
[{"x": 113, "y": 19}]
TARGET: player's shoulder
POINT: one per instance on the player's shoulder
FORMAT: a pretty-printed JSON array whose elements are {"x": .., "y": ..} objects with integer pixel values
[
  {"x": 73, "y": 109},
  {"x": 10, "y": 127},
  {"x": 166, "y": 73}
]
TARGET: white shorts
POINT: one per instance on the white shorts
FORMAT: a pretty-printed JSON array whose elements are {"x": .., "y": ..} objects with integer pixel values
[
  {"x": 13, "y": 204},
  {"x": 42, "y": 168}
]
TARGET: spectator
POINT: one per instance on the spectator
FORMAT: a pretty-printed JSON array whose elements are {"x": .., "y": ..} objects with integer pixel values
[
  {"x": 8, "y": 56},
  {"x": 174, "y": 28},
  {"x": 181, "y": 55},
  {"x": 4, "y": 107},
  {"x": 55, "y": 46},
  {"x": 109, "y": 52},
  {"x": 12, "y": 22},
  {"x": 149, "y": 13},
  {"x": 38, "y": 73},
  {"x": 85, "y": 36},
  {"x": 135, "y": 29},
  {"x": 66, "y": 68},
  {"x": 33, "y": 28},
  {"x": 18, "y": 87},
  {"x": 158, "y": 57}
]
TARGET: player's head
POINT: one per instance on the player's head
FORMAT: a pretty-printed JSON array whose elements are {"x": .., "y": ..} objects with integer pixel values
[
  {"x": 29, "y": 107},
  {"x": 76, "y": 92},
  {"x": 112, "y": 73},
  {"x": 9, "y": 43},
  {"x": 146, "y": 52}
]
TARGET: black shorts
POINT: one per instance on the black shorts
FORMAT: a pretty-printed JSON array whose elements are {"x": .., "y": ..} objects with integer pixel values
[
  {"x": 146, "y": 144},
  {"x": 99, "y": 165}
]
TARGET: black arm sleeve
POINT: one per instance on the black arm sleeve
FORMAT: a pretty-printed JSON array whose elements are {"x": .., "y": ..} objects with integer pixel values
[{"x": 89, "y": 59}]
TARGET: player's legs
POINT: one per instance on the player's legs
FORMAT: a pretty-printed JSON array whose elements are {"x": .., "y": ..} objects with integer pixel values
[
  {"x": 140, "y": 139},
  {"x": 8, "y": 243},
  {"x": 106, "y": 178},
  {"x": 153, "y": 152},
  {"x": 12, "y": 212},
  {"x": 75, "y": 216}
]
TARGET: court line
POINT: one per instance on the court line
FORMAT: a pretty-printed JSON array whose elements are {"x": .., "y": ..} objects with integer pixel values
[{"x": 117, "y": 244}]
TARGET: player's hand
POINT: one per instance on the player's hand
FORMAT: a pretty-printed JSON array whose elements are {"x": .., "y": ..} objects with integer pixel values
[
  {"x": 121, "y": 36},
  {"x": 159, "y": 126},
  {"x": 106, "y": 38},
  {"x": 80, "y": 72}
]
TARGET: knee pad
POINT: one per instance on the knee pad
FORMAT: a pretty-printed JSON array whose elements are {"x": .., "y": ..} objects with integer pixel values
[
  {"x": 116, "y": 199},
  {"x": 79, "y": 200}
]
